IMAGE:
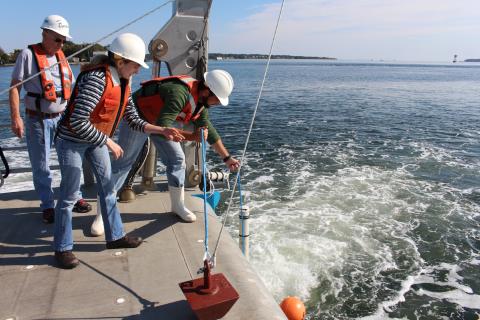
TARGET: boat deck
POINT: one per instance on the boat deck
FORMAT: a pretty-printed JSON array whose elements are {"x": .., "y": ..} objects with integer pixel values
[{"x": 139, "y": 283}]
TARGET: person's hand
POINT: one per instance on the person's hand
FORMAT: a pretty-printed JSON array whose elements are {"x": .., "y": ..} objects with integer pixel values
[
  {"x": 17, "y": 127},
  {"x": 117, "y": 151},
  {"x": 173, "y": 134},
  {"x": 232, "y": 164}
]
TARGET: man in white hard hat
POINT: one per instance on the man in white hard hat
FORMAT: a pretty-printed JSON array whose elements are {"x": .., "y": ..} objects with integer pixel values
[
  {"x": 45, "y": 100},
  {"x": 169, "y": 102}
]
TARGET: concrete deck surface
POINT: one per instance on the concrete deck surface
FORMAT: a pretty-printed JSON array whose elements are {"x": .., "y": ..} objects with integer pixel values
[{"x": 139, "y": 283}]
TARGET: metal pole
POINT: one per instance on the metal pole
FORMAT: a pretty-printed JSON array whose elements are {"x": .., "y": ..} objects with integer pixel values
[
  {"x": 182, "y": 45},
  {"x": 149, "y": 167},
  {"x": 244, "y": 234},
  {"x": 243, "y": 216}
]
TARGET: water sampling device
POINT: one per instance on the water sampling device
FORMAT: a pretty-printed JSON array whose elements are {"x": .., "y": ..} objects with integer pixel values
[{"x": 212, "y": 295}]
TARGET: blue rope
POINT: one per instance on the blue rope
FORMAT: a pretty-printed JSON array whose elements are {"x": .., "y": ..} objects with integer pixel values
[{"x": 204, "y": 174}]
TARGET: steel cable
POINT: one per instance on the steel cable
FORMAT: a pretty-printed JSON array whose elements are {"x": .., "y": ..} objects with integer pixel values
[
  {"x": 249, "y": 130},
  {"x": 88, "y": 47}
]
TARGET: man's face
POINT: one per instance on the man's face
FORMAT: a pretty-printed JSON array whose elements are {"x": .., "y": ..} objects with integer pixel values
[
  {"x": 212, "y": 100},
  {"x": 52, "y": 41},
  {"x": 208, "y": 98}
]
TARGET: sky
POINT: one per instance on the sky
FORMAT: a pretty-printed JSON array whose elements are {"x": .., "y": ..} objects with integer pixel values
[{"x": 390, "y": 30}]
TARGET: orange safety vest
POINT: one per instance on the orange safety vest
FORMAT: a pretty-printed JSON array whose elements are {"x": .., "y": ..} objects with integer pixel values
[
  {"x": 48, "y": 85},
  {"x": 109, "y": 111},
  {"x": 151, "y": 106}
]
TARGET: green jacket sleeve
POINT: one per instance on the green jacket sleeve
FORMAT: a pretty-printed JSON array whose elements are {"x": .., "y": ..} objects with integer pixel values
[{"x": 204, "y": 121}]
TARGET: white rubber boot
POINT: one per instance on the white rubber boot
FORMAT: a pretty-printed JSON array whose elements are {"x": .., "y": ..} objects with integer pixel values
[
  {"x": 177, "y": 197},
  {"x": 97, "y": 228}
]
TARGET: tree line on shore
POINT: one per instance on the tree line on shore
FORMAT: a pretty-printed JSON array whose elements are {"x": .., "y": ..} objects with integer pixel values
[
  {"x": 69, "y": 48},
  {"x": 221, "y": 56}
]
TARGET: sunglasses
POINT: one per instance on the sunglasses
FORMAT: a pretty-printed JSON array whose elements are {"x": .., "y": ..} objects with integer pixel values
[{"x": 57, "y": 40}]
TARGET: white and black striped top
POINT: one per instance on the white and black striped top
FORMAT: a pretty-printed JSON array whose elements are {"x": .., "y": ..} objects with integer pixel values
[{"x": 90, "y": 89}]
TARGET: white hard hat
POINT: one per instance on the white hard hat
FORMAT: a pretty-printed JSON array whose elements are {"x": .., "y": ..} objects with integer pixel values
[
  {"x": 131, "y": 47},
  {"x": 57, "y": 24},
  {"x": 220, "y": 83}
]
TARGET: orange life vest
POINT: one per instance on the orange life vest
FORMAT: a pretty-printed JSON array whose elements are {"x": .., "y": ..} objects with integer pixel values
[
  {"x": 108, "y": 112},
  {"x": 48, "y": 85},
  {"x": 151, "y": 106}
]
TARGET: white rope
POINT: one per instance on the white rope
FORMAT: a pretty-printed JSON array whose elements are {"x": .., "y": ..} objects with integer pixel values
[
  {"x": 249, "y": 130},
  {"x": 89, "y": 46}
]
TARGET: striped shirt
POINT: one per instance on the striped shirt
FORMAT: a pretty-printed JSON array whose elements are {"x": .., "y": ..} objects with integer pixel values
[{"x": 90, "y": 90}]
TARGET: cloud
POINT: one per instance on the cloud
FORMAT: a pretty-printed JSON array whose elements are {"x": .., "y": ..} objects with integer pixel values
[{"x": 341, "y": 26}]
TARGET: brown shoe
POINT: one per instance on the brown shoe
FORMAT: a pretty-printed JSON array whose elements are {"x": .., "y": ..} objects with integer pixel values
[
  {"x": 82, "y": 206},
  {"x": 48, "y": 215},
  {"x": 66, "y": 259},
  {"x": 125, "y": 242}
]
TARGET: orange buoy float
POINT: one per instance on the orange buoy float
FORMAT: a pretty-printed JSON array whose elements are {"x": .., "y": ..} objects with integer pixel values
[{"x": 293, "y": 308}]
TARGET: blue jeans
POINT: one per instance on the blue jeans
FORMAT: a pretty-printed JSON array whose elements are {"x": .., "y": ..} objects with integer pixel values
[
  {"x": 40, "y": 141},
  {"x": 39, "y": 144},
  {"x": 70, "y": 155},
  {"x": 170, "y": 153}
]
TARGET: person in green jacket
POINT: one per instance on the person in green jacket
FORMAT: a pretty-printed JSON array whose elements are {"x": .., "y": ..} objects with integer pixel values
[{"x": 171, "y": 102}]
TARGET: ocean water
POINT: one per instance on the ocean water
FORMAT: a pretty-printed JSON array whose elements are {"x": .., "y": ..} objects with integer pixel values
[{"x": 364, "y": 183}]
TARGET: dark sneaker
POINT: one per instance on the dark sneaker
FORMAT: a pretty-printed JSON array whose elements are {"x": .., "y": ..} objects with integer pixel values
[
  {"x": 66, "y": 259},
  {"x": 48, "y": 215},
  {"x": 125, "y": 242},
  {"x": 82, "y": 206}
]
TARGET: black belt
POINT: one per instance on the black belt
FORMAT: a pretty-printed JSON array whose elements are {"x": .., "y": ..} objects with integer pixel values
[
  {"x": 42, "y": 115},
  {"x": 40, "y": 95}
]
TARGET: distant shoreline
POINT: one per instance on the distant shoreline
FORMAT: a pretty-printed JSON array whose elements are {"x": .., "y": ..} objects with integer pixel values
[
  {"x": 227, "y": 56},
  {"x": 13, "y": 64}
]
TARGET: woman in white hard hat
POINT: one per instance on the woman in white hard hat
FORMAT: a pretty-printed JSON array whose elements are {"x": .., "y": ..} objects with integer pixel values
[
  {"x": 100, "y": 99},
  {"x": 173, "y": 101}
]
